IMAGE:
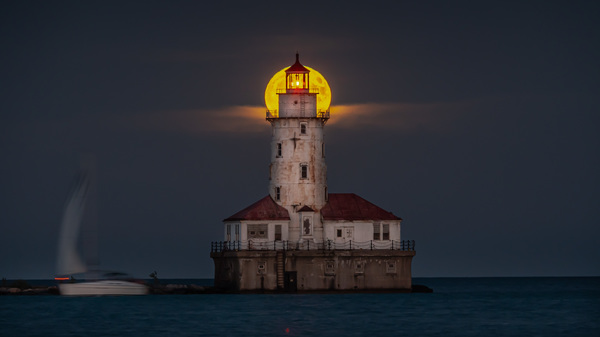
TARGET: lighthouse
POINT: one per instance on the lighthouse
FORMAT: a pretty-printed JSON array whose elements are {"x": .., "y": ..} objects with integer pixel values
[
  {"x": 301, "y": 237},
  {"x": 298, "y": 173}
]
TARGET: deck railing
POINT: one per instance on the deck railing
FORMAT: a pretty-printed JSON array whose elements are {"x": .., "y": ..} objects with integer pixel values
[{"x": 220, "y": 246}]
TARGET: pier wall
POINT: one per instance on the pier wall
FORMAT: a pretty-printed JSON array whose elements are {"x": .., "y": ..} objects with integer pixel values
[{"x": 298, "y": 270}]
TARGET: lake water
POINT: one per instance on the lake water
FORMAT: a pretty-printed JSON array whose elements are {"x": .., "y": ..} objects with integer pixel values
[{"x": 458, "y": 307}]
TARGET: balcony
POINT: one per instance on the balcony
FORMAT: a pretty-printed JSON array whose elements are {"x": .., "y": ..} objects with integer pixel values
[
  {"x": 272, "y": 114},
  {"x": 298, "y": 91},
  {"x": 323, "y": 114}
]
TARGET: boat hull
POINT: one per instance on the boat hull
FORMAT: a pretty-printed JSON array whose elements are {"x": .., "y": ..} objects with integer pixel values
[{"x": 102, "y": 288}]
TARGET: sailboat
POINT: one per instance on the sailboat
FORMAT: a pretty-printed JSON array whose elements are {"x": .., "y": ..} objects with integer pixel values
[{"x": 74, "y": 276}]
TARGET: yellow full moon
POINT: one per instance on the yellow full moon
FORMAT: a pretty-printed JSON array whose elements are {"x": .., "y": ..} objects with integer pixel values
[{"x": 316, "y": 81}]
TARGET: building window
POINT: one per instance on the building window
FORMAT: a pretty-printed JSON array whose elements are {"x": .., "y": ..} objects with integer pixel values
[
  {"x": 303, "y": 171},
  {"x": 278, "y": 150},
  {"x": 237, "y": 232},
  {"x": 258, "y": 231},
  {"x": 339, "y": 233},
  {"x": 302, "y": 128},
  {"x": 277, "y": 232},
  {"x": 228, "y": 233},
  {"x": 381, "y": 232},
  {"x": 278, "y": 193},
  {"x": 386, "y": 231}
]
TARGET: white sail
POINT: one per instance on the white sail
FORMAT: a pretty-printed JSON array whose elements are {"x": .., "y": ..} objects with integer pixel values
[
  {"x": 92, "y": 282},
  {"x": 69, "y": 260}
]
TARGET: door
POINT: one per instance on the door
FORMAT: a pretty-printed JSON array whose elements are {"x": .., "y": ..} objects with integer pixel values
[
  {"x": 291, "y": 283},
  {"x": 348, "y": 233},
  {"x": 344, "y": 234}
]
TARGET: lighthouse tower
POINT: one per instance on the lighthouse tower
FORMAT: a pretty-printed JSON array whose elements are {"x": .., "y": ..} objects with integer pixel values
[{"x": 298, "y": 173}]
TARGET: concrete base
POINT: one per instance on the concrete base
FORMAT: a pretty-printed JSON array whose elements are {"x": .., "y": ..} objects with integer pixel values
[{"x": 327, "y": 270}]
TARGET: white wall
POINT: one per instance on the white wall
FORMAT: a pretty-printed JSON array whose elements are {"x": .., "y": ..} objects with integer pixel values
[
  {"x": 270, "y": 230},
  {"x": 362, "y": 230},
  {"x": 297, "y": 105}
]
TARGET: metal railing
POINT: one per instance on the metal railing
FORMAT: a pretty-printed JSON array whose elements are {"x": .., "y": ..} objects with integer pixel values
[
  {"x": 272, "y": 114},
  {"x": 220, "y": 246},
  {"x": 323, "y": 114},
  {"x": 275, "y": 114},
  {"x": 298, "y": 90}
]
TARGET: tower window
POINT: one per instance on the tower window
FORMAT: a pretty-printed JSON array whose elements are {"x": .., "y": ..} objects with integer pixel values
[
  {"x": 277, "y": 193},
  {"x": 302, "y": 128},
  {"x": 307, "y": 225},
  {"x": 278, "y": 149},
  {"x": 303, "y": 171}
]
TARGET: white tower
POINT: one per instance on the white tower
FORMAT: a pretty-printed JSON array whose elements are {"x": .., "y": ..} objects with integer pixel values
[{"x": 298, "y": 174}]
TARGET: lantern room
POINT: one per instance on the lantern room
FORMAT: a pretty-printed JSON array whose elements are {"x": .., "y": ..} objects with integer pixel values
[{"x": 297, "y": 78}]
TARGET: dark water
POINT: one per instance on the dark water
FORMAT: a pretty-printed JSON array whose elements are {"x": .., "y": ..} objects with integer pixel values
[{"x": 458, "y": 307}]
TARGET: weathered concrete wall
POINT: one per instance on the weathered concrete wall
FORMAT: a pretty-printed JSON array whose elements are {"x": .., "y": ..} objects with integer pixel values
[
  {"x": 298, "y": 149},
  {"x": 245, "y": 270},
  {"x": 291, "y": 149},
  {"x": 315, "y": 270}
]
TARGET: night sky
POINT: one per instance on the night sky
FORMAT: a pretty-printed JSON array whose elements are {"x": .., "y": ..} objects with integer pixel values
[{"x": 475, "y": 121}]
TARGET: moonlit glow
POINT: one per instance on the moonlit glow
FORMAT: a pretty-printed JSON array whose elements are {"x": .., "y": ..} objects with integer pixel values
[{"x": 317, "y": 81}]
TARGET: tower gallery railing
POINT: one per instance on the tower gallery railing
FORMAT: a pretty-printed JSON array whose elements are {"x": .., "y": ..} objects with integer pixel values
[
  {"x": 220, "y": 246},
  {"x": 275, "y": 114},
  {"x": 311, "y": 90}
]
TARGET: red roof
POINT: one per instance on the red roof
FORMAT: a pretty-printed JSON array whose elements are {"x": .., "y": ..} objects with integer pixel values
[
  {"x": 349, "y": 206},
  {"x": 297, "y": 67},
  {"x": 341, "y": 206},
  {"x": 264, "y": 209},
  {"x": 306, "y": 209}
]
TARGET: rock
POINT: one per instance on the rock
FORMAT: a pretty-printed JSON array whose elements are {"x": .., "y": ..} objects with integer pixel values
[{"x": 419, "y": 288}]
